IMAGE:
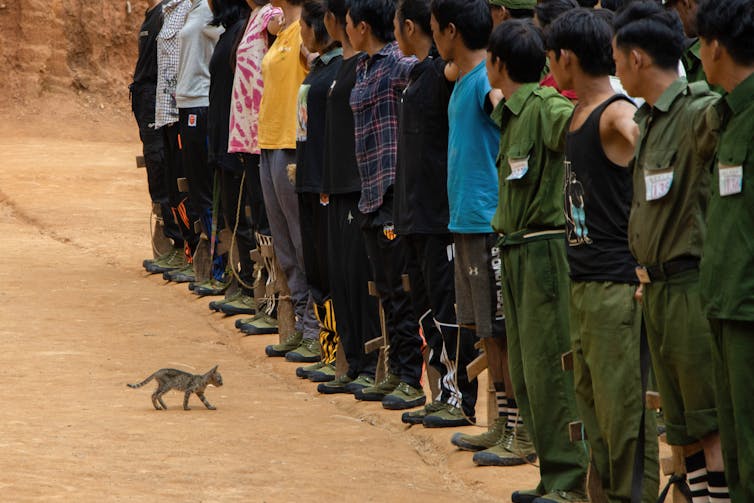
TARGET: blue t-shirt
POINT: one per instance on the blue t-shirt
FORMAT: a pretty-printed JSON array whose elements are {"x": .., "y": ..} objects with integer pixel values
[{"x": 473, "y": 141}]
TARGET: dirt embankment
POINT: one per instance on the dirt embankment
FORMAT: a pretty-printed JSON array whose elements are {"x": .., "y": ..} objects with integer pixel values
[{"x": 68, "y": 58}]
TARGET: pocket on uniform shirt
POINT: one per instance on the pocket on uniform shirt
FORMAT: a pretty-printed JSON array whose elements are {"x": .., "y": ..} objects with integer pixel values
[
  {"x": 658, "y": 173},
  {"x": 730, "y": 168},
  {"x": 518, "y": 157}
]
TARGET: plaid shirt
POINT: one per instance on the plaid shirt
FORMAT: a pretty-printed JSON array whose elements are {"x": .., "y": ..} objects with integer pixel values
[
  {"x": 374, "y": 101},
  {"x": 168, "y": 58}
]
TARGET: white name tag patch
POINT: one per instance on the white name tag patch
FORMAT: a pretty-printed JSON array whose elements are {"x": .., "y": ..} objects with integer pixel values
[
  {"x": 658, "y": 184},
  {"x": 519, "y": 168},
  {"x": 731, "y": 179}
]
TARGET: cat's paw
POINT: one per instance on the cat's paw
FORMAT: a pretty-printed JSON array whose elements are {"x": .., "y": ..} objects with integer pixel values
[
  {"x": 187, "y": 408},
  {"x": 212, "y": 407}
]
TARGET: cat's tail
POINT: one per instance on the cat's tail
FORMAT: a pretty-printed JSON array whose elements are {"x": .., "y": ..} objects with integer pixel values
[{"x": 142, "y": 383}]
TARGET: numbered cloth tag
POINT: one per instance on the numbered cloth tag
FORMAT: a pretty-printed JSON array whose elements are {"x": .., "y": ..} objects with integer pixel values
[
  {"x": 658, "y": 183},
  {"x": 731, "y": 179},
  {"x": 519, "y": 168}
]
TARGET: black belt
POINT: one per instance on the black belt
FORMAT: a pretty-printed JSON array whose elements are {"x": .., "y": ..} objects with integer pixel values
[{"x": 663, "y": 272}]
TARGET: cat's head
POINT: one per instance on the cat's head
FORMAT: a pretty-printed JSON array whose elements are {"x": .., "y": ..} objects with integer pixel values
[{"x": 215, "y": 378}]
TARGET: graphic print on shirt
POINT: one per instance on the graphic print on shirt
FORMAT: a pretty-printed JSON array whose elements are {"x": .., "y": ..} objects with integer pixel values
[
  {"x": 575, "y": 209},
  {"x": 302, "y": 113}
]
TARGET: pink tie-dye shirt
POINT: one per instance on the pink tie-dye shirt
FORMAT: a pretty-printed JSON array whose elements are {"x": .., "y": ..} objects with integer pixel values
[{"x": 247, "y": 83}]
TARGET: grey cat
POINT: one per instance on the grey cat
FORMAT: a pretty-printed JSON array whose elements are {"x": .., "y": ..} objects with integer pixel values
[{"x": 168, "y": 379}]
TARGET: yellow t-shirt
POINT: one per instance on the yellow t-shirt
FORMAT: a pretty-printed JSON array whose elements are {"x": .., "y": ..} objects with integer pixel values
[{"x": 283, "y": 72}]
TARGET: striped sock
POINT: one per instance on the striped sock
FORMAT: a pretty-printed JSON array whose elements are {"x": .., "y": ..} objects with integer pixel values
[
  {"x": 696, "y": 473},
  {"x": 502, "y": 399},
  {"x": 717, "y": 487},
  {"x": 514, "y": 418}
]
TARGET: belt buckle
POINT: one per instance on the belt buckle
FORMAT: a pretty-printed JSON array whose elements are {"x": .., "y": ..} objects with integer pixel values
[{"x": 643, "y": 275}]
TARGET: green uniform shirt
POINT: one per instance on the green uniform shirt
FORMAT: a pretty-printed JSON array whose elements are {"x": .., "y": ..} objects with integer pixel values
[
  {"x": 671, "y": 173},
  {"x": 533, "y": 121},
  {"x": 692, "y": 62},
  {"x": 727, "y": 270}
]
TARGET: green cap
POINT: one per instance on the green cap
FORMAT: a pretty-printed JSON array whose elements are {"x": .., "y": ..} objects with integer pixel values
[{"x": 514, "y": 4}]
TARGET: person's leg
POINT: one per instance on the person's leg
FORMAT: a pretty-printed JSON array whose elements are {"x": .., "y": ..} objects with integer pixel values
[
  {"x": 178, "y": 200},
  {"x": 233, "y": 202},
  {"x": 680, "y": 340},
  {"x": 389, "y": 260},
  {"x": 281, "y": 205},
  {"x": 606, "y": 338},
  {"x": 153, "y": 149},
  {"x": 259, "y": 222},
  {"x": 538, "y": 293},
  {"x": 355, "y": 310},
  {"x": 285, "y": 224},
  {"x": 734, "y": 352},
  {"x": 438, "y": 270}
]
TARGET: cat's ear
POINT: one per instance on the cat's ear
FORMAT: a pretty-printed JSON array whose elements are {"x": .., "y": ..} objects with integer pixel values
[{"x": 214, "y": 369}]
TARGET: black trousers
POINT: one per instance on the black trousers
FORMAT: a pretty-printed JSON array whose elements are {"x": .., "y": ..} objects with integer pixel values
[
  {"x": 193, "y": 127},
  {"x": 433, "y": 294},
  {"x": 390, "y": 259},
  {"x": 356, "y": 313},
  {"x": 231, "y": 171},
  {"x": 313, "y": 217},
  {"x": 183, "y": 211},
  {"x": 143, "y": 99},
  {"x": 255, "y": 198}
]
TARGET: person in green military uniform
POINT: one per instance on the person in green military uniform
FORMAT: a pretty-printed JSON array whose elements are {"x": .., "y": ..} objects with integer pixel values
[
  {"x": 692, "y": 63},
  {"x": 726, "y": 28},
  {"x": 529, "y": 216},
  {"x": 502, "y": 10},
  {"x": 671, "y": 178},
  {"x": 610, "y": 359}
]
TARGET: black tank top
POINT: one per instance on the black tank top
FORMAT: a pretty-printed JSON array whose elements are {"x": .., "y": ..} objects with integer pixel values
[{"x": 598, "y": 196}]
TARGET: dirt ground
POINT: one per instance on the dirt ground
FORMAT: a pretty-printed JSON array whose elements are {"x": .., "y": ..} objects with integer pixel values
[{"x": 79, "y": 319}]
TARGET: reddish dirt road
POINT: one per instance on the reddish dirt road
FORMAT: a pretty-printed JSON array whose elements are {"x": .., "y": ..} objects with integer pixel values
[{"x": 79, "y": 319}]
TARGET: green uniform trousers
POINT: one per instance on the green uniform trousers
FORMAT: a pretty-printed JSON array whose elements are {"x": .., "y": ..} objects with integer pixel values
[
  {"x": 606, "y": 339},
  {"x": 734, "y": 374},
  {"x": 680, "y": 341},
  {"x": 535, "y": 296}
]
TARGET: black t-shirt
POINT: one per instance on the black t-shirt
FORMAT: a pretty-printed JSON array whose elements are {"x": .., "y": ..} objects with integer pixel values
[
  {"x": 341, "y": 173},
  {"x": 146, "y": 64},
  {"x": 310, "y": 136},
  {"x": 598, "y": 196},
  {"x": 222, "y": 69},
  {"x": 421, "y": 181}
]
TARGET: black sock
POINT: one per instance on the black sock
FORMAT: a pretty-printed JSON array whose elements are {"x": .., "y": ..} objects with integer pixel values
[
  {"x": 696, "y": 472},
  {"x": 717, "y": 487}
]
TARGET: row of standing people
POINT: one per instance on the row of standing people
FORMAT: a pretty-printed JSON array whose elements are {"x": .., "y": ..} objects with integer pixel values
[{"x": 464, "y": 193}]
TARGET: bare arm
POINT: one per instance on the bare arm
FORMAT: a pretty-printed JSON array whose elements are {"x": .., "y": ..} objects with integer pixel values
[{"x": 618, "y": 132}]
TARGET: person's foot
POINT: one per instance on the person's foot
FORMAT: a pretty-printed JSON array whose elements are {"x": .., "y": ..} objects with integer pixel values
[
  {"x": 482, "y": 441},
  {"x": 377, "y": 392},
  {"x": 325, "y": 374},
  {"x": 243, "y": 304},
  {"x": 514, "y": 448},
  {"x": 307, "y": 352},
  {"x": 183, "y": 275},
  {"x": 362, "y": 381},
  {"x": 526, "y": 495},
  {"x": 260, "y": 324},
  {"x": 449, "y": 417},
  {"x": 209, "y": 287},
  {"x": 417, "y": 416},
  {"x": 215, "y": 304},
  {"x": 289, "y": 344},
  {"x": 337, "y": 385},
  {"x": 174, "y": 259},
  {"x": 303, "y": 372},
  {"x": 404, "y": 396},
  {"x": 563, "y": 497}
]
